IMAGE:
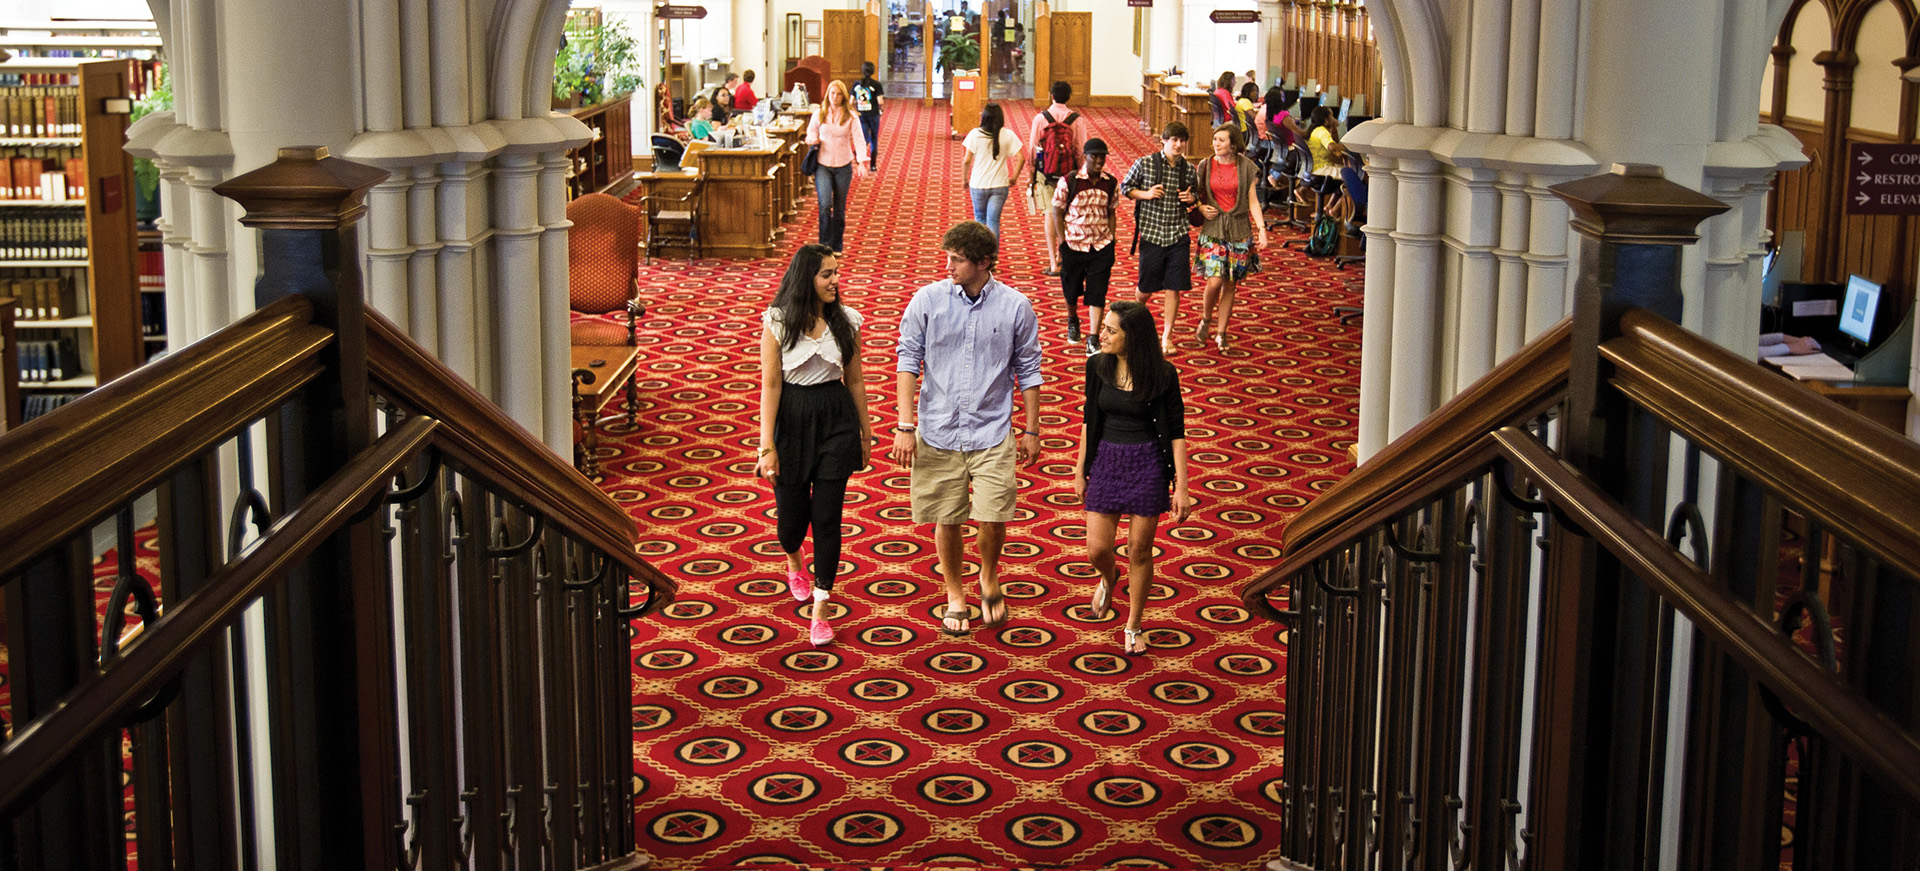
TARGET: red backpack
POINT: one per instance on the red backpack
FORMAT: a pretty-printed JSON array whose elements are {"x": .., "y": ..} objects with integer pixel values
[{"x": 1056, "y": 153}]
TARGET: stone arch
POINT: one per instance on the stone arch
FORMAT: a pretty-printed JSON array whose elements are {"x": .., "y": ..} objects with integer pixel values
[
  {"x": 1847, "y": 23},
  {"x": 1412, "y": 37},
  {"x": 525, "y": 36}
]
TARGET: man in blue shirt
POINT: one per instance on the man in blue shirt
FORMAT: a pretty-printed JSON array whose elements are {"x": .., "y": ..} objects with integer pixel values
[{"x": 966, "y": 344}]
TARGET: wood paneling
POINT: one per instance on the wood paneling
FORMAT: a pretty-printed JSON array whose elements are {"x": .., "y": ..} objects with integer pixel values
[
  {"x": 1070, "y": 54},
  {"x": 843, "y": 32},
  {"x": 1332, "y": 45}
]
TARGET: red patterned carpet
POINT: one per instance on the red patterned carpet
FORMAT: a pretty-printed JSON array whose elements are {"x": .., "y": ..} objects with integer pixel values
[{"x": 1037, "y": 743}]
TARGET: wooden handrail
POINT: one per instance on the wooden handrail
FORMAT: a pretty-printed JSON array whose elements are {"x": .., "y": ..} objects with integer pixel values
[
  {"x": 64, "y": 472},
  {"x": 480, "y": 436},
  {"x": 98, "y": 700},
  {"x": 1856, "y": 478},
  {"x": 1840, "y": 712},
  {"x": 1528, "y": 383}
]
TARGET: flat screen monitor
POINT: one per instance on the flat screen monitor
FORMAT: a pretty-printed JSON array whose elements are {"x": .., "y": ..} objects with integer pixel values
[
  {"x": 1346, "y": 109},
  {"x": 1858, "y": 308}
]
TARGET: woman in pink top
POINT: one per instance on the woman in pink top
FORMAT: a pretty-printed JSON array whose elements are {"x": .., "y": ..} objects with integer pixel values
[
  {"x": 843, "y": 154},
  {"x": 1234, "y": 226}
]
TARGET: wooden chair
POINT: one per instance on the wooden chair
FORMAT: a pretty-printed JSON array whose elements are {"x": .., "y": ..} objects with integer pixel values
[
  {"x": 813, "y": 72},
  {"x": 603, "y": 269},
  {"x": 673, "y": 214}
]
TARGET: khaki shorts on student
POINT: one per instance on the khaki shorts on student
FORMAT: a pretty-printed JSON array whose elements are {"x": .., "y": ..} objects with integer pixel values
[
  {"x": 941, "y": 479},
  {"x": 1040, "y": 196}
]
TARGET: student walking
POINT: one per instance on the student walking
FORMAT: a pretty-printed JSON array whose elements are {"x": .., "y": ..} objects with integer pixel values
[
  {"x": 1133, "y": 448},
  {"x": 869, "y": 99},
  {"x": 1083, "y": 212},
  {"x": 814, "y": 432},
  {"x": 1161, "y": 186},
  {"x": 993, "y": 158},
  {"x": 1226, "y": 253},
  {"x": 967, "y": 343},
  {"x": 843, "y": 154},
  {"x": 1057, "y": 136}
]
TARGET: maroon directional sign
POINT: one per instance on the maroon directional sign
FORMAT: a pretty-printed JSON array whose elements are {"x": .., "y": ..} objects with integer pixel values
[
  {"x": 680, "y": 12},
  {"x": 1883, "y": 180},
  {"x": 1234, "y": 16},
  {"x": 1147, "y": 3}
]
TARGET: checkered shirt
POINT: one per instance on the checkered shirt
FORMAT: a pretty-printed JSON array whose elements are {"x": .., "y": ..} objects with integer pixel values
[{"x": 1162, "y": 221}]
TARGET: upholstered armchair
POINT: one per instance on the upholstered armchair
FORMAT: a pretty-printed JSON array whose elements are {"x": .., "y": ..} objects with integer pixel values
[{"x": 603, "y": 268}]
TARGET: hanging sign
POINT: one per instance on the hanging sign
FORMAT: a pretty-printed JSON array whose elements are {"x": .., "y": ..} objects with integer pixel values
[
  {"x": 1883, "y": 180},
  {"x": 680, "y": 12},
  {"x": 1146, "y": 3},
  {"x": 1234, "y": 16}
]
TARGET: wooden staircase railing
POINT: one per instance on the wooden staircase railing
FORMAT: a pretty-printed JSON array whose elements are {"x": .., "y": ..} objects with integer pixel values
[
  {"x": 1652, "y": 615},
  {"x": 397, "y": 645}
]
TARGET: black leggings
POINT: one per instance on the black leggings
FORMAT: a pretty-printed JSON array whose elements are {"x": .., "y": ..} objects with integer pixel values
[{"x": 819, "y": 505}]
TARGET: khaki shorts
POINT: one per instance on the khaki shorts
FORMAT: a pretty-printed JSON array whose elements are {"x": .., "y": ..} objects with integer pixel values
[
  {"x": 941, "y": 479},
  {"x": 1040, "y": 197}
]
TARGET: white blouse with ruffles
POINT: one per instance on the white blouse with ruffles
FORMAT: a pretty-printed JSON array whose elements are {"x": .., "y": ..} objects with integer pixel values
[{"x": 811, "y": 360}]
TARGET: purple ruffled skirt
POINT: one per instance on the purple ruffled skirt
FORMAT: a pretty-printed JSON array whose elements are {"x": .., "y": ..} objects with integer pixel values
[{"x": 1128, "y": 479}]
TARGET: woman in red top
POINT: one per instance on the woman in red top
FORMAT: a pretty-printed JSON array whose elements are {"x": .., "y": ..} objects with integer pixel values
[{"x": 1225, "y": 191}]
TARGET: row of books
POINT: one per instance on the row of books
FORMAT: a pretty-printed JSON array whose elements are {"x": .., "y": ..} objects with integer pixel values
[
  {"x": 33, "y": 234},
  {"x": 47, "y": 180},
  {"x": 39, "y": 299},
  {"x": 153, "y": 315},
  {"x": 40, "y": 111},
  {"x": 48, "y": 359},
  {"x": 37, "y": 404}
]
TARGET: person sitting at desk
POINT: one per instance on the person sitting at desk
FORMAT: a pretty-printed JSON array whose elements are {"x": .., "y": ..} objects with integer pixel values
[
  {"x": 1782, "y": 345},
  {"x": 701, "y": 127}
]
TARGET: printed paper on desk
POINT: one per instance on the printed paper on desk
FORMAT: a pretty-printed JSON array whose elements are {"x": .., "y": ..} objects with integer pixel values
[{"x": 1811, "y": 308}]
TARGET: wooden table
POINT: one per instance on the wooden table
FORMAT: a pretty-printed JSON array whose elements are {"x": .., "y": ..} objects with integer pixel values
[
  {"x": 1149, "y": 92},
  {"x": 598, "y": 372},
  {"x": 739, "y": 209},
  {"x": 793, "y": 189}
]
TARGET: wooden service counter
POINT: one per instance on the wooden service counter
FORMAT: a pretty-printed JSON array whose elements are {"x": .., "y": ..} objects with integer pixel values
[
  {"x": 740, "y": 209},
  {"x": 1149, "y": 92},
  {"x": 791, "y": 140},
  {"x": 1194, "y": 108}
]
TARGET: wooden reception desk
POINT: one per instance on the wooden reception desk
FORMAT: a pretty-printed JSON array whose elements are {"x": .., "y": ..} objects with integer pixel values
[{"x": 740, "y": 208}]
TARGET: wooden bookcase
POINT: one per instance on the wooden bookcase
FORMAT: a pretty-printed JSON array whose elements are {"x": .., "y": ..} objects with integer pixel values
[
  {"x": 100, "y": 312},
  {"x": 604, "y": 164}
]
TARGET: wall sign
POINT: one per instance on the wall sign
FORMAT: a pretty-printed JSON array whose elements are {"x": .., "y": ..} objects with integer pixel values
[
  {"x": 680, "y": 12},
  {"x": 1883, "y": 180},
  {"x": 1234, "y": 16}
]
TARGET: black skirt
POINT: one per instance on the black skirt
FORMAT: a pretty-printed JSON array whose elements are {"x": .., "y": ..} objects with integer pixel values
[{"x": 817, "y": 432}]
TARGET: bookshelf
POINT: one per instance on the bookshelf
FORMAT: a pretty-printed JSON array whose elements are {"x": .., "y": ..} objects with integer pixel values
[
  {"x": 605, "y": 163},
  {"x": 10, "y": 407},
  {"x": 67, "y": 230}
]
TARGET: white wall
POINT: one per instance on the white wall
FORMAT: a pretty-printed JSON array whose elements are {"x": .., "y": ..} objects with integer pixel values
[{"x": 1211, "y": 49}]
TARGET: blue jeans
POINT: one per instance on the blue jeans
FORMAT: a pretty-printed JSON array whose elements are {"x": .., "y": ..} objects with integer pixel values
[
  {"x": 987, "y": 203},
  {"x": 870, "y": 125},
  {"x": 830, "y": 185}
]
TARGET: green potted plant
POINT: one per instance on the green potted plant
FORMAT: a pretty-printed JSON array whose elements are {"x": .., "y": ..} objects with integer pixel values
[
  {"x": 959, "y": 50},
  {"x": 146, "y": 176},
  {"x": 594, "y": 63}
]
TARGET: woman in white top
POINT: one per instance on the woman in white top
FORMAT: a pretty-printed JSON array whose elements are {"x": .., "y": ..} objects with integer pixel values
[
  {"x": 994, "y": 157},
  {"x": 814, "y": 432}
]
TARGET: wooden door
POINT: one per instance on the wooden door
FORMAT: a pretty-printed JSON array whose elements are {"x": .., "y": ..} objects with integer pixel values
[
  {"x": 1064, "y": 54},
  {"x": 844, "y": 33},
  {"x": 1069, "y": 55}
]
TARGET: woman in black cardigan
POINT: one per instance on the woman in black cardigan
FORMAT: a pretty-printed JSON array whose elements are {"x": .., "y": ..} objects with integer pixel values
[{"x": 1133, "y": 449}]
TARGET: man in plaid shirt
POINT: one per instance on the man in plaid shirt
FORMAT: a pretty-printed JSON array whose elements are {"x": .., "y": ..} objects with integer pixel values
[
  {"x": 1161, "y": 186},
  {"x": 1083, "y": 205}
]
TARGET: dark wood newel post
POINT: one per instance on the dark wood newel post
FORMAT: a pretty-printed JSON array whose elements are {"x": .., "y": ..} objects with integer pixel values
[
  {"x": 1597, "y": 772},
  {"x": 329, "y": 634}
]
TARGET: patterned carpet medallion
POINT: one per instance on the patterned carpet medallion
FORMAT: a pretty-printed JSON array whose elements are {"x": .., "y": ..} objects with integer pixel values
[{"x": 1037, "y": 743}]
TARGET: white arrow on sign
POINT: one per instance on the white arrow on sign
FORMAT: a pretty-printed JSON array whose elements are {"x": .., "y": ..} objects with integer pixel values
[
  {"x": 1862, "y": 199},
  {"x": 1865, "y": 158},
  {"x": 1863, "y": 178}
]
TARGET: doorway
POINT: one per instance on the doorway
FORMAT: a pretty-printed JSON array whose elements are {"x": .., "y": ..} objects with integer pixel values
[{"x": 912, "y": 35}]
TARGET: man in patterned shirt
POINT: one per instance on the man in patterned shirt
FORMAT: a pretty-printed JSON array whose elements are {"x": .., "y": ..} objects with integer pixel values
[
  {"x": 1161, "y": 186},
  {"x": 1083, "y": 205}
]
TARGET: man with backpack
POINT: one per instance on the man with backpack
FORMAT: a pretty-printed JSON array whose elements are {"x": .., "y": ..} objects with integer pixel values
[
  {"x": 1161, "y": 186},
  {"x": 868, "y": 99},
  {"x": 1057, "y": 135},
  {"x": 1083, "y": 209}
]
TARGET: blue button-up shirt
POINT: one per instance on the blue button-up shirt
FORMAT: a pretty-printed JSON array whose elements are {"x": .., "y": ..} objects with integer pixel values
[{"x": 970, "y": 354}]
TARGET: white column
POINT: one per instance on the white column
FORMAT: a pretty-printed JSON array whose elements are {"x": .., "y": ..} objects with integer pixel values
[
  {"x": 1476, "y": 226},
  {"x": 1376, "y": 350},
  {"x": 383, "y": 240},
  {"x": 1549, "y": 278},
  {"x": 1416, "y": 309},
  {"x": 1510, "y": 318},
  {"x": 556, "y": 341},
  {"x": 516, "y": 297},
  {"x": 423, "y": 266}
]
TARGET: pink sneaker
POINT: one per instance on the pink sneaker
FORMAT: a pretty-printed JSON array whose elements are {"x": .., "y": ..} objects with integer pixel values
[
  {"x": 800, "y": 585},
  {"x": 820, "y": 633}
]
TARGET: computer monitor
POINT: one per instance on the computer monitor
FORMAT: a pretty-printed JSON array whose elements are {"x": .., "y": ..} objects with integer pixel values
[
  {"x": 1857, "y": 309},
  {"x": 1346, "y": 108}
]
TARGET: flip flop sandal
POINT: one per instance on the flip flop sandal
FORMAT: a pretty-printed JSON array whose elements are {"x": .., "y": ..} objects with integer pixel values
[
  {"x": 993, "y": 608},
  {"x": 1133, "y": 641},
  {"x": 958, "y": 615},
  {"x": 1102, "y": 604}
]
